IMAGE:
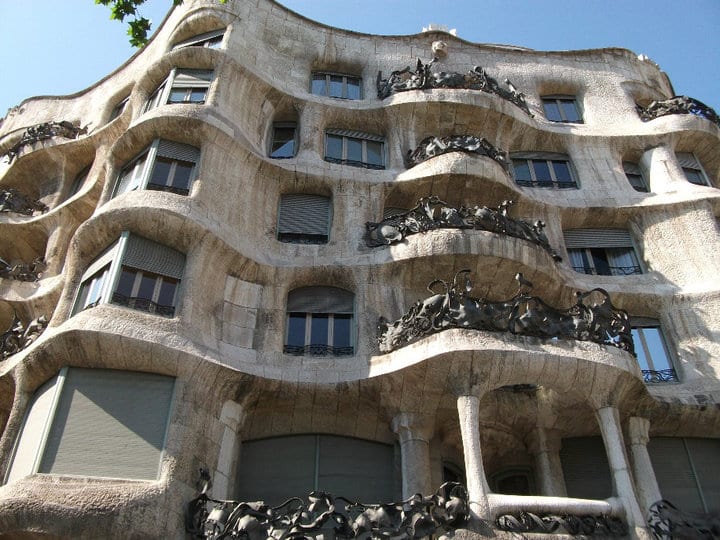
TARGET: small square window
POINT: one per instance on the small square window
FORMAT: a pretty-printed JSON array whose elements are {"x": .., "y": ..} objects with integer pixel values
[
  {"x": 602, "y": 252},
  {"x": 652, "y": 351},
  {"x": 336, "y": 85},
  {"x": 562, "y": 109},
  {"x": 537, "y": 171},
  {"x": 354, "y": 149},
  {"x": 635, "y": 177},
  {"x": 694, "y": 172}
]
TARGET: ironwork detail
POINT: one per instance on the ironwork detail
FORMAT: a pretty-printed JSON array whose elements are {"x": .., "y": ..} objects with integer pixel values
[
  {"x": 431, "y": 213},
  {"x": 142, "y": 304},
  {"x": 296, "y": 519},
  {"x": 667, "y": 522},
  {"x": 18, "y": 337},
  {"x": 527, "y": 522},
  {"x": 433, "y": 146},
  {"x": 614, "y": 270},
  {"x": 422, "y": 78},
  {"x": 677, "y": 105},
  {"x": 318, "y": 350},
  {"x": 659, "y": 376},
  {"x": 11, "y": 200},
  {"x": 45, "y": 131},
  {"x": 23, "y": 271},
  {"x": 592, "y": 318},
  {"x": 169, "y": 189}
]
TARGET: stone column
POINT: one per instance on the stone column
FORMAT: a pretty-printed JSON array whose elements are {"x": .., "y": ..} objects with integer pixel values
[
  {"x": 414, "y": 432},
  {"x": 232, "y": 417},
  {"x": 647, "y": 487},
  {"x": 478, "y": 489},
  {"x": 545, "y": 448},
  {"x": 609, "y": 420}
]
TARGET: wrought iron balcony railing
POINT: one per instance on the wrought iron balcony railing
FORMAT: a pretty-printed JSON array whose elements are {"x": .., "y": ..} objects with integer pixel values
[
  {"x": 354, "y": 163},
  {"x": 612, "y": 270},
  {"x": 547, "y": 184},
  {"x": 660, "y": 375},
  {"x": 169, "y": 189},
  {"x": 143, "y": 304},
  {"x": 318, "y": 350}
]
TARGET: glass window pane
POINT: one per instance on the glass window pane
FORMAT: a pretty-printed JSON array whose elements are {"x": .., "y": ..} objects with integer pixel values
[
  {"x": 177, "y": 95},
  {"x": 296, "y": 329},
  {"x": 655, "y": 344},
  {"x": 197, "y": 95},
  {"x": 353, "y": 88},
  {"x": 334, "y": 147},
  {"x": 552, "y": 111},
  {"x": 183, "y": 173},
  {"x": 639, "y": 349},
  {"x": 336, "y": 86},
  {"x": 161, "y": 171},
  {"x": 542, "y": 171},
  {"x": 562, "y": 172},
  {"x": 600, "y": 261},
  {"x": 283, "y": 145},
  {"x": 694, "y": 176},
  {"x": 522, "y": 170},
  {"x": 318, "y": 85},
  {"x": 354, "y": 149},
  {"x": 319, "y": 329},
  {"x": 147, "y": 287},
  {"x": 125, "y": 282},
  {"x": 167, "y": 292},
  {"x": 374, "y": 153},
  {"x": 623, "y": 261},
  {"x": 341, "y": 331},
  {"x": 579, "y": 261},
  {"x": 570, "y": 111}
]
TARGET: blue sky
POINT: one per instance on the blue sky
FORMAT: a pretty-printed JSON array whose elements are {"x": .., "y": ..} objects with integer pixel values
[{"x": 57, "y": 47}]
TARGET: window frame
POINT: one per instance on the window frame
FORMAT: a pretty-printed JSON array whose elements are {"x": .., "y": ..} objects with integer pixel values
[
  {"x": 161, "y": 95},
  {"x": 531, "y": 157},
  {"x": 346, "y": 78},
  {"x": 133, "y": 301},
  {"x": 584, "y": 242},
  {"x": 283, "y": 125},
  {"x": 668, "y": 374},
  {"x": 207, "y": 40},
  {"x": 118, "y": 109},
  {"x": 684, "y": 161},
  {"x": 559, "y": 100},
  {"x": 634, "y": 170},
  {"x": 363, "y": 138}
]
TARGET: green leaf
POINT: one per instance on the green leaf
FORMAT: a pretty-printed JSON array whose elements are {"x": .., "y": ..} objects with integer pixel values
[{"x": 138, "y": 31}]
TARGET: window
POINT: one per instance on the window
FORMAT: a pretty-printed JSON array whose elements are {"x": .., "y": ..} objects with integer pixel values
[
  {"x": 274, "y": 470},
  {"x": 284, "y": 140},
  {"x": 320, "y": 322},
  {"x": 652, "y": 351},
  {"x": 543, "y": 170},
  {"x": 134, "y": 272},
  {"x": 686, "y": 472},
  {"x": 81, "y": 417},
  {"x": 562, "y": 109},
  {"x": 694, "y": 172},
  {"x": 354, "y": 148},
  {"x": 78, "y": 182},
  {"x": 585, "y": 468},
  {"x": 602, "y": 252},
  {"x": 303, "y": 219},
  {"x": 182, "y": 86},
  {"x": 634, "y": 174},
  {"x": 336, "y": 85},
  {"x": 163, "y": 166},
  {"x": 119, "y": 108},
  {"x": 514, "y": 481},
  {"x": 210, "y": 40}
]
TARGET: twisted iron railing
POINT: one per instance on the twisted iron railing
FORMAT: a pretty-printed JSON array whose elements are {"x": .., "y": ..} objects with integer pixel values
[
  {"x": 528, "y": 522},
  {"x": 12, "y": 201},
  {"x": 18, "y": 337},
  {"x": 23, "y": 271},
  {"x": 667, "y": 522},
  {"x": 143, "y": 304},
  {"x": 677, "y": 105},
  {"x": 433, "y": 146},
  {"x": 660, "y": 375},
  {"x": 318, "y": 350},
  {"x": 42, "y": 132}
]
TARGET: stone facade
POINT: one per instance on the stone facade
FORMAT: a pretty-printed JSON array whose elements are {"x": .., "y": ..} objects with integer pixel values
[{"x": 255, "y": 334}]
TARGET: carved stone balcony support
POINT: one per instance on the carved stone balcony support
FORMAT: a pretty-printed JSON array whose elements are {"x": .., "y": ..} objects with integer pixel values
[
  {"x": 677, "y": 105},
  {"x": 648, "y": 491},
  {"x": 414, "y": 432}
]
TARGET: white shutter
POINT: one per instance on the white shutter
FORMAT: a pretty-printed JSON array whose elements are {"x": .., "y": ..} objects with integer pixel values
[
  {"x": 320, "y": 300},
  {"x": 105, "y": 258},
  {"x": 686, "y": 159},
  {"x": 110, "y": 424},
  {"x": 355, "y": 134},
  {"x": 597, "y": 238},
  {"x": 199, "y": 39},
  {"x": 145, "y": 254},
  {"x": 301, "y": 213},
  {"x": 585, "y": 467},
  {"x": 192, "y": 78},
  {"x": 179, "y": 151}
]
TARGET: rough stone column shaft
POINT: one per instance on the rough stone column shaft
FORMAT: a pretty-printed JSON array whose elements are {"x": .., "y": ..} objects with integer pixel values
[
  {"x": 545, "y": 447},
  {"x": 414, "y": 432},
  {"x": 647, "y": 487},
  {"x": 232, "y": 417},
  {"x": 609, "y": 420},
  {"x": 478, "y": 489}
]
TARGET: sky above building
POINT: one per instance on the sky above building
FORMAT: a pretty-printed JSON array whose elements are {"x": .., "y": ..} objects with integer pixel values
[{"x": 59, "y": 47}]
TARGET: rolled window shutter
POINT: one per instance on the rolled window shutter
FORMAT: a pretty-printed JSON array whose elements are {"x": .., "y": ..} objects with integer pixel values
[
  {"x": 585, "y": 467},
  {"x": 150, "y": 256},
  {"x": 355, "y": 134},
  {"x": 105, "y": 258},
  {"x": 597, "y": 238},
  {"x": 35, "y": 427},
  {"x": 199, "y": 38},
  {"x": 301, "y": 213},
  {"x": 320, "y": 300},
  {"x": 109, "y": 424},
  {"x": 179, "y": 151},
  {"x": 674, "y": 474},
  {"x": 631, "y": 168},
  {"x": 686, "y": 159},
  {"x": 192, "y": 78},
  {"x": 705, "y": 454}
]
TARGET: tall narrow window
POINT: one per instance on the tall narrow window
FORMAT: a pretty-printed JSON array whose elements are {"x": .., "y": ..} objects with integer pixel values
[
  {"x": 320, "y": 322},
  {"x": 694, "y": 172},
  {"x": 284, "y": 140},
  {"x": 336, "y": 85},
  {"x": 635, "y": 177},
  {"x": 563, "y": 109},
  {"x": 536, "y": 169},
  {"x": 163, "y": 166},
  {"x": 119, "y": 108},
  {"x": 652, "y": 351},
  {"x": 210, "y": 40},
  {"x": 602, "y": 252},
  {"x": 355, "y": 148},
  {"x": 182, "y": 86},
  {"x": 134, "y": 272},
  {"x": 304, "y": 218}
]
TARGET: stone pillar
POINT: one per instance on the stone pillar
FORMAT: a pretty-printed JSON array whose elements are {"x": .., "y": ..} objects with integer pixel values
[
  {"x": 545, "y": 448},
  {"x": 647, "y": 487},
  {"x": 662, "y": 169},
  {"x": 232, "y": 417},
  {"x": 609, "y": 419},
  {"x": 478, "y": 489},
  {"x": 414, "y": 432}
]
